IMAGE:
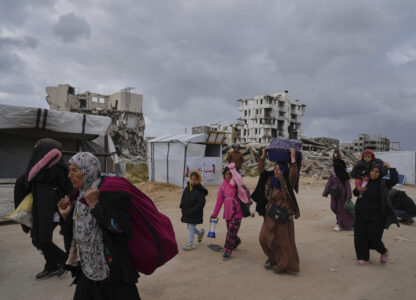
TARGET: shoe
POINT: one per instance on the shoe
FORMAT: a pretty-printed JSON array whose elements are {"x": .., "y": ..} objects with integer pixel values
[
  {"x": 61, "y": 270},
  {"x": 226, "y": 256},
  {"x": 46, "y": 273},
  {"x": 201, "y": 235},
  {"x": 361, "y": 262},
  {"x": 406, "y": 221},
  {"x": 268, "y": 265},
  {"x": 384, "y": 257},
  {"x": 189, "y": 247},
  {"x": 337, "y": 228},
  {"x": 238, "y": 244}
]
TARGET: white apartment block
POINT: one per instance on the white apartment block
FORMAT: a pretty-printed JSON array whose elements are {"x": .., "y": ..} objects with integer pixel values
[{"x": 269, "y": 116}]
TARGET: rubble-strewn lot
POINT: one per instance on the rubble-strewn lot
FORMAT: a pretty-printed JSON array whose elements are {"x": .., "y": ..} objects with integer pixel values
[{"x": 316, "y": 158}]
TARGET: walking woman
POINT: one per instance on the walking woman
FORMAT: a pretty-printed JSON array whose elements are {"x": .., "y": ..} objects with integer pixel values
[
  {"x": 228, "y": 193},
  {"x": 374, "y": 213},
  {"x": 99, "y": 225},
  {"x": 274, "y": 193},
  {"x": 47, "y": 179},
  {"x": 339, "y": 187}
]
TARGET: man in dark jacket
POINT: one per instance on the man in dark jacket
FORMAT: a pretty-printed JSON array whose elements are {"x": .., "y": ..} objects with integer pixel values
[{"x": 192, "y": 205}]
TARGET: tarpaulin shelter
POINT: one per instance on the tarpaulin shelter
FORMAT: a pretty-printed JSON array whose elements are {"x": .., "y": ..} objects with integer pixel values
[
  {"x": 403, "y": 161},
  {"x": 21, "y": 127},
  {"x": 171, "y": 158}
]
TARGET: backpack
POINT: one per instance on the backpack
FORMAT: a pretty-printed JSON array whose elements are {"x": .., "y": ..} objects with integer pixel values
[{"x": 153, "y": 241}]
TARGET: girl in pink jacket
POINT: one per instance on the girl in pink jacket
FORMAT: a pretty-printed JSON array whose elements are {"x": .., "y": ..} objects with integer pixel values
[{"x": 227, "y": 194}]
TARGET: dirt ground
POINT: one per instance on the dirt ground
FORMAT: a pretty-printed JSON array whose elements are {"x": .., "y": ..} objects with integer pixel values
[{"x": 327, "y": 259}]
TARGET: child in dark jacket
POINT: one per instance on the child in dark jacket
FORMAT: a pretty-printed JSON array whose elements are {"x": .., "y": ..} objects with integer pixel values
[
  {"x": 192, "y": 205},
  {"x": 361, "y": 170}
]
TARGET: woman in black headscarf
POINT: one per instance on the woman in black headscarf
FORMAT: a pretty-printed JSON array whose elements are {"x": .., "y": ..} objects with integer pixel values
[
  {"x": 47, "y": 179},
  {"x": 374, "y": 213},
  {"x": 338, "y": 185}
]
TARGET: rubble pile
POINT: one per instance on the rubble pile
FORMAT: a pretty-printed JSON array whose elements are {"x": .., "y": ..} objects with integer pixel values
[
  {"x": 316, "y": 158},
  {"x": 126, "y": 131}
]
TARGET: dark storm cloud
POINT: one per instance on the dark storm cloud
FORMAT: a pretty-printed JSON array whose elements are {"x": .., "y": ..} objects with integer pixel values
[
  {"x": 71, "y": 28},
  {"x": 352, "y": 63}
]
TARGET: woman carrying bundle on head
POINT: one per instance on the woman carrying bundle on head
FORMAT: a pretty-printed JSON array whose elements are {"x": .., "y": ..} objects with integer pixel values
[{"x": 276, "y": 200}]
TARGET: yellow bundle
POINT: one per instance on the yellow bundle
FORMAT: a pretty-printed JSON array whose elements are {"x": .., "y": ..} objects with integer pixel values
[{"x": 23, "y": 213}]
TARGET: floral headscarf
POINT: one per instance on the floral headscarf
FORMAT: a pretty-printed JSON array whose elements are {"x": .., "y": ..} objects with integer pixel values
[{"x": 90, "y": 166}]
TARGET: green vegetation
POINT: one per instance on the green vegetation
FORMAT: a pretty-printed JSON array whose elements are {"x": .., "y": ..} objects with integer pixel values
[{"x": 137, "y": 173}]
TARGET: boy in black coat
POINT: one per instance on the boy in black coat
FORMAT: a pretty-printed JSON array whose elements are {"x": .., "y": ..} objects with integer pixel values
[{"x": 192, "y": 205}]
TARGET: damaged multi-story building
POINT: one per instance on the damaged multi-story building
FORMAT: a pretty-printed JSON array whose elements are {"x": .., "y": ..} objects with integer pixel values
[
  {"x": 123, "y": 107},
  {"x": 232, "y": 131},
  {"x": 269, "y": 116},
  {"x": 366, "y": 141}
]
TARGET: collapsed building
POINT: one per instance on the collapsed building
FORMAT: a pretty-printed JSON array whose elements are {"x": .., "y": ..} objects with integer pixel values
[
  {"x": 124, "y": 108},
  {"x": 365, "y": 141},
  {"x": 232, "y": 131},
  {"x": 269, "y": 116}
]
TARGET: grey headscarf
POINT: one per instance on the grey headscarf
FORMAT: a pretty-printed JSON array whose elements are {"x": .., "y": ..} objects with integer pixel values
[{"x": 90, "y": 166}]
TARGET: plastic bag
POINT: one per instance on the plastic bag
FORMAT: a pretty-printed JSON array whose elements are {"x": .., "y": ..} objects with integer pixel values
[
  {"x": 349, "y": 206},
  {"x": 23, "y": 213}
]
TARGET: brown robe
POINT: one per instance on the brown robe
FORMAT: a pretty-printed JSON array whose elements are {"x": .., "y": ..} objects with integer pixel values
[
  {"x": 276, "y": 239},
  {"x": 237, "y": 158}
]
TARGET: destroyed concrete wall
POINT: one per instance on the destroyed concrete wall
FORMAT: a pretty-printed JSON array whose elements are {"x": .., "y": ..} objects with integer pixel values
[
  {"x": 124, "y": 108},
  {"x": 326, "y": 140},
  {"x": 232, "y": 131}
]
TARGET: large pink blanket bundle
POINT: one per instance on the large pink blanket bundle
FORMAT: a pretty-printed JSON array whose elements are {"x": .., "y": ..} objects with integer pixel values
[{"x": 153, "y": 241}]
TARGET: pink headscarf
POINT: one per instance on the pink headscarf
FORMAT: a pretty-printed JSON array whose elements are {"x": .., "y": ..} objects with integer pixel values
[{"x": 237, "y": 180}]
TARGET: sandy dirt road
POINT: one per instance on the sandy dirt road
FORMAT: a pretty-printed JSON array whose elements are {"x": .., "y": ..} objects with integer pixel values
[{"x": 327, "y": 259}]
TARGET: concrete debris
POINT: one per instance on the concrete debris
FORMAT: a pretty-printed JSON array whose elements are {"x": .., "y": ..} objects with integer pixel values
[
  {"x": 316, "y": 162},
  {"x": 127, "y": 133}
]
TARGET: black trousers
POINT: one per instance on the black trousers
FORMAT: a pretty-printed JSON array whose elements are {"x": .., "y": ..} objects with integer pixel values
[
  {"x": 88, "y": 289},
  {"x": 368, "y": 235},
  {"x": 52, "y": 253}
]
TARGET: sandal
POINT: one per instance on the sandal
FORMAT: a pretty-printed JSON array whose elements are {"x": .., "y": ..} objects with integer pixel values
[
  {"x": 268, "y": 265},
  {"x": 384, "y": 257}
]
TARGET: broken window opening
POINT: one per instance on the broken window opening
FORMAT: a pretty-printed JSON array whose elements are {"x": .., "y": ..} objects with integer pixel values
[{"x": 82, "y": 103}]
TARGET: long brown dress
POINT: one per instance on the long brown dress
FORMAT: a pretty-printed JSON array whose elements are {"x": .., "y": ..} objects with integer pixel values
[{"x": 276, "y": 239}]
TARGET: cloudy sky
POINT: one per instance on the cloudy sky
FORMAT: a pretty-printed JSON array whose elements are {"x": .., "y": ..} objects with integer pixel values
[{"x": 353, "y": 63}]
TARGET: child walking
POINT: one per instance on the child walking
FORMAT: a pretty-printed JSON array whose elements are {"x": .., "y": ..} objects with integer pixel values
[
  {"x": 192, "y": 206},
  {"x": 227, "y": 194},
  {"x": 361, "y": 170}
]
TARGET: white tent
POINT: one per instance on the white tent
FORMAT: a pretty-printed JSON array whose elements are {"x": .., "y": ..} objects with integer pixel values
[
  {"x": 403, "y": 161},
  {"x": 21, "y": 127},
  {"x": 171, "y": 159}
]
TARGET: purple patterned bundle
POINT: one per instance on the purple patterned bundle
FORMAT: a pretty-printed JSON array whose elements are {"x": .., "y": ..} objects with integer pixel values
[
  {"x": 279, "y": 149},
  {"x": 284, "y": 144}
]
